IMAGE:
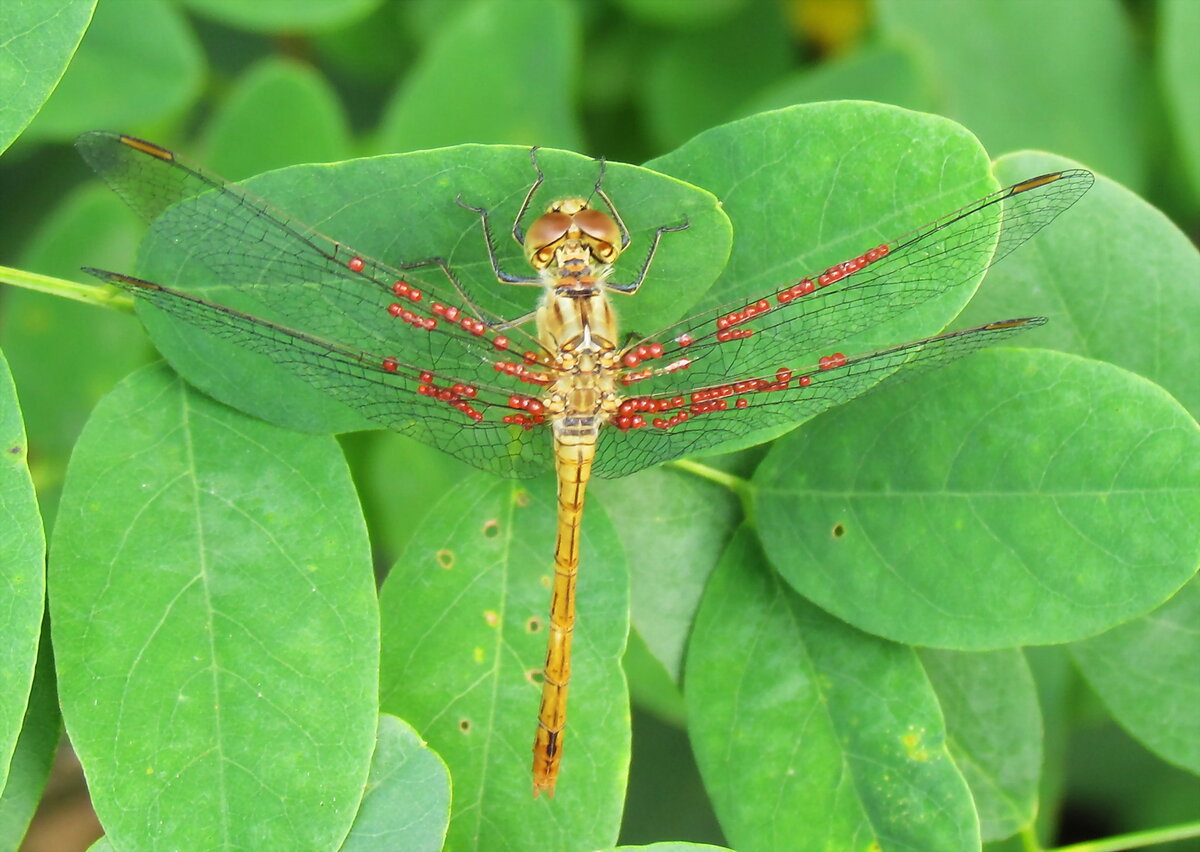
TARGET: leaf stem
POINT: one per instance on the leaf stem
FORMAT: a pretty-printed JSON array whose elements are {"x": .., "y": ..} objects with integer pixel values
[
  {"x": 1135, "y": 840},
  {"x": 89, "y": 294}
]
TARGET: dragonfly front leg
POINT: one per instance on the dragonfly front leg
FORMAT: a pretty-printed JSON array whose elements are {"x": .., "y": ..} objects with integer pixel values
[
  {"x": 641, "y": 276},
  {"x": 501, "y": 275}
]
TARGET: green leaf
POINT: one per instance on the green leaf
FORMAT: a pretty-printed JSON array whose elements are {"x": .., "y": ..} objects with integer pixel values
[
  {"x": 402, "y": 208},
  {"x": 880, "y": 72},
  {"x": 39, "y": 39},
  {"x": 464, "y": 640},
  {"x": 278, "y": 113},
  {"x": 165, "y": 78},
  {"x": 1076, "y": 96},
  {"x": 1178, "y": 70},
  {"x": 994, "y": 732},
  {"x": 1115, "y": 276},
  {"x": 22, "y": 571},
  {"x": 283, "y": 15},
  {"x": 66, "y": 355},
  {"x": 673, "y": 847},
  {"x": 810, "y": 734},
  {"x": 671, "y": 556},
  {"x": 407, "y": 801},
  {"x": 215, "y": 624},
  {"x": 670, "y": 13},
  {"x": 1141, "y": 670},
  {"x": 755, "y": 41},
  {"x": 511, "y": 67},
  {"x": 1017, "y": 497},
  {"x": 33, "y": 757},
  {"x": 813, "y": 185}
]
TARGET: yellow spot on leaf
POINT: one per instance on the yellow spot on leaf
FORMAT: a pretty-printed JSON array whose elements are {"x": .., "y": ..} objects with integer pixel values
[
  {"x": 479, "y": 655},
  {"x": 491, "y": 617},
  {"x": 914, "y": 747}
]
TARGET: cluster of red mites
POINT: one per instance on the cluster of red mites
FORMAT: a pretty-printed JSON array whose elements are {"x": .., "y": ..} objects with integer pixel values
[
  {"x": 700, "y": 402},
  {"x": 647, "y": 352},
  {"x": 801, "y": 288},
  {"x": 453, "y": 394},
  {"x": 836, "y": 273},
  {"x": 519, "y": 371},
  {"x": 828, "y": 362},
  {"x": 534, "y": 407},
  {"x": 725, "y": 330},
  {"x": 416, "y": 321},
  {"x": 453, "y": 314},
  {"x": 401, "y": 288}
]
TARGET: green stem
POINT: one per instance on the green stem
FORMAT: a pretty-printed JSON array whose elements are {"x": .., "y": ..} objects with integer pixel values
[
  {"x": 89, "y": 294},
  {"x": 741, "y": 487},
  {"x": 1135, "y": 840}
]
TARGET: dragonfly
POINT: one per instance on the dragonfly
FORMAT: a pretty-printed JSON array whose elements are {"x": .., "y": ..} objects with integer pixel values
[{"x": 406, "y": 347}]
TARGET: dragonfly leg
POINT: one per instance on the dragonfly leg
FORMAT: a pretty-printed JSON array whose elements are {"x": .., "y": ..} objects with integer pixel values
[
  {"x": 501, "y": 275},
  {"x": 633, "y": 286},
  {"x": 612, "y": 208},
  {"x": 517, "y": 233}
]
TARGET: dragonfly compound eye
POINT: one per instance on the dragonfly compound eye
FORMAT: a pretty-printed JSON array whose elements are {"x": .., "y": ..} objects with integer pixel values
[
  {"x": 547, "y": 230},
  {"x": 603, "y": 231}
]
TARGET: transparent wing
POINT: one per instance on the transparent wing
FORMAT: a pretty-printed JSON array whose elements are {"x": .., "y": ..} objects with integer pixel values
[
  {"x": 476, "y": 423},
  {"x": 304, "y": 278},
  {"x": 759, "y": 336},
  {"x": 663, "y": 426}
]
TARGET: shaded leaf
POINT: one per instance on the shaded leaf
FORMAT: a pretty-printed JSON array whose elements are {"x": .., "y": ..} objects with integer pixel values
[
  {"x": 810, "y": 734},
  {"x": 1141, "y": 672}
]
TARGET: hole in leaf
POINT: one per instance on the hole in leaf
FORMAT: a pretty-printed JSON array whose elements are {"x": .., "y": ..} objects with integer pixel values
[
  {"x": 838, "y": 530},
  {"x": 491, "y": 528},
  {"x": 533, "y": 625},
  {"x": 534, "y": 676},
  {"x": 445, "y": 559},
  {"x": 464, "y": 725}
]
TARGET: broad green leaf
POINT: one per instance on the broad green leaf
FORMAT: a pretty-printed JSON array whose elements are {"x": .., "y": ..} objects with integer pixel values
[
  {"x": 994, "y": 732},
  {"x": 881, "y": 72},
  {"x": 509, "y": 69},
  {"x": 1021, "y": 76},
  {"x": 1143, "y": 672},
  {"x": 214, "y": 622},
  {"x": 651, "y": 686},
  {"x": 39, "y": 38},
  {"x": 1178, "y": 71},
  {"x": 288, "y": 16},
  {"x": 810, "y": 734},
  {"x": 279, "y": 113},
  {"x": 407, "y": 801},
  {"x": 464, "y": 640},
  {"x": 34, "y": 754},
  {"x": 22, "y": 571},
  {"x": 670, "y": 13},
  {"x": 1017, "y": 497},
  {"x": 674, "y": 527},
  {"x": 402, "y": 208},
  {"x": 140, "y": 63},
  {"x": 813, "y": 185},
  {"x": 1116, "y": 278},
  {"x": 755, "y": 41},
  {"x": 66, "y": 355},
  {"x": 673, "y": 847}
]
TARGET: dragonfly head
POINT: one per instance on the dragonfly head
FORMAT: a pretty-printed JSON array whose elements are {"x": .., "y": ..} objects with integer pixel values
[{"x": 572, "y": 230}]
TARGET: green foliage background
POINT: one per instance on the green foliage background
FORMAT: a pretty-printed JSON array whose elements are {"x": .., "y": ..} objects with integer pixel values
[{"x": 1060, "y": 703}]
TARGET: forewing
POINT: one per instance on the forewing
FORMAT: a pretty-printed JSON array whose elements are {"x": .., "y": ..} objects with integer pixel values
[{"x": 758, "y": 336}]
